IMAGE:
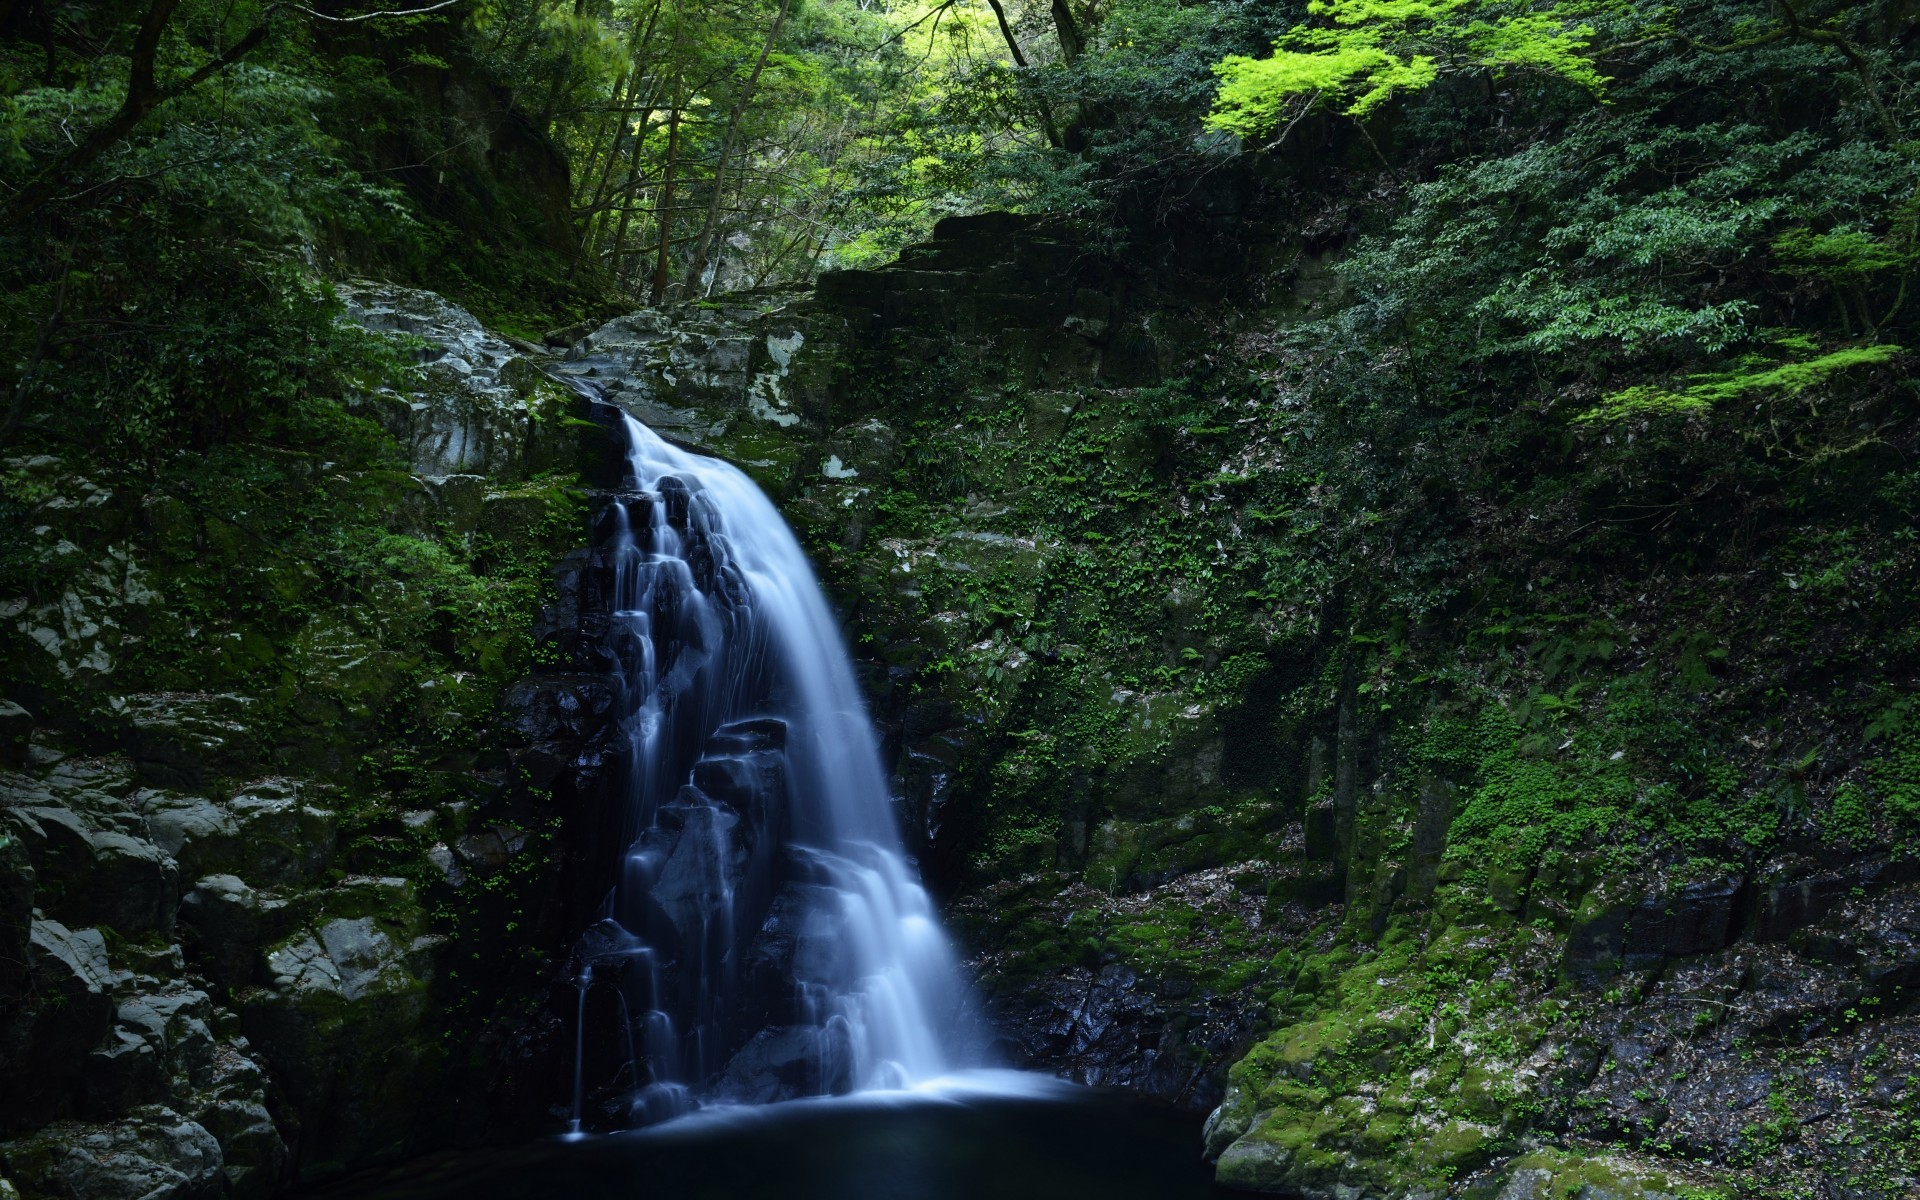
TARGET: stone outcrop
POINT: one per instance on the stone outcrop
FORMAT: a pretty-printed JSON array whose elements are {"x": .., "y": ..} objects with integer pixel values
[
  {"x": 1255, "y": 874},
  {"x": 1241, "y": 898},
  {"x": 220, "y": 968},
  {"x": 484, "y": 406}
]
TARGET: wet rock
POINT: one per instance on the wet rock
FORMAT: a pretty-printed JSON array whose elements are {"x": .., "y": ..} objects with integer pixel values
[
  {"x": 798, "y": 944},
  {"x": 46, "y": 1047},
  {"x": 232, "y": 1106},
  {"x": 788, "y": 1062},
  {"x": 153, "y": 1154},
  {"x": 16, "y": 729},
  {"x": 340, "y": 1019},
  {"x": 473, "y": 415},
  {"x": 702, "y": 862},
  {"x": 183, "y": 739},
  {"x": 16, "y": 919},
  {"x": 558, "y": 723}
]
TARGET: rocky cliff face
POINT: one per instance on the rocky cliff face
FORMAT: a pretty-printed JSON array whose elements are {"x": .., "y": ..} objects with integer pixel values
[
  {"x": 256, "y": 808},
  {"x": 1193, "y": 847},
  {"x": 1201, "y": 833}
]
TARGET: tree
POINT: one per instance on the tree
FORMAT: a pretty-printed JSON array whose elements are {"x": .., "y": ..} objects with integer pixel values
[{"x": 1365, "y": 52}]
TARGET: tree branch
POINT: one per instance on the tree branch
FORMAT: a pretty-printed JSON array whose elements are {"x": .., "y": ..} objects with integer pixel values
[{"x": 144, "y": 94}]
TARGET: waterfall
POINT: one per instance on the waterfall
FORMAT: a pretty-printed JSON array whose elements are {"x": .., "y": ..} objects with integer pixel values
[{"x": 767, "y": 937}]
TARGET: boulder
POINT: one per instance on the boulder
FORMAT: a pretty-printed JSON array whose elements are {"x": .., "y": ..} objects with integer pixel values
[
  {"x": 200, "y": 835},
  {"x": 283, "y": 839},
  {"x": 119, "y": 1075},
  {"x": 702, "y": 863},
  {"x": 153, "y": 1154},
  {"x": 789, "y": 1062},
  {"x": 223, "y": 914},
  {"x": 177, "y": 1021},
  {"x": 341, "y": 1019},
  {"x": 232, "y": 1106},
  {"x": 89, "y": 870},
  {"x": 1554, "y": 1175},
  {"x": 469, "y": 417},
  {"x": 16, "y": 728},
  {"x": 183, "y": 739},
  {"x": 16, "y": 919},
  {"x": 1697, "y": 919},
  {"x": 267, "y": 834},
  {"x": 134, "y": 884},
  {"x": 48, "y": 1045}
]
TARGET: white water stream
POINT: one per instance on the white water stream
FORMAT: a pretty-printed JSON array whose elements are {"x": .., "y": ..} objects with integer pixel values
[{"x": 768, "y": 937}]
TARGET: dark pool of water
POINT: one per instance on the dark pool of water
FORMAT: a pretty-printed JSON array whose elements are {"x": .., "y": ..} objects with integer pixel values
[{"x": 1051, "y": 1143}]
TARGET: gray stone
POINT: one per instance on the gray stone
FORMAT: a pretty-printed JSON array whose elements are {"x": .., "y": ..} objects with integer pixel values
[
  {"x": 201, "y": 835},
  {"x": 283, "y": 838},
  {"x": 267, "y": 835},
  {"x": 184, "y": 739},
  {"x": 87, "y": 874},
  {"x": 691, "y": 374},
  {"x": 135, "y": 884},
  {"x": 472, "y": 415},
  {"x": 153, "y": 1154},
  {"x": 119, "y": 1075},
  {"x": 16, "y": 730},
  {"x": 46, "y": 1047},
  {"x": 340, "y": 1017},
  {"x": 232, "y": 1106},
  {"x": 224, "y": 915},
  {"x": 177, "y": 1022},
  {"x": 16, "y": 918}
]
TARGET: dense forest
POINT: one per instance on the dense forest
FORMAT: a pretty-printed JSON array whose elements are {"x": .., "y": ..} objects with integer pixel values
[{"x": 1377, "y": 538}]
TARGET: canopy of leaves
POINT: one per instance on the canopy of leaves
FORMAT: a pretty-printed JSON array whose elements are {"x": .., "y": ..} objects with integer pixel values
[{"x": 1366, "y": 52}]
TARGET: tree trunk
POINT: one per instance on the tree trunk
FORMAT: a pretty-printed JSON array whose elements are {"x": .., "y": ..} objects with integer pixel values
[
  {"x": 1020, "y": 60},
  {"x": 666, "y": 203},
  {"x": 144, "y": 95},
  {"x": 634, "y": 175},
  {"x": 705, "y": 245},
  {"x": 1072, "y": 45},
  {"x": 1006, "y": 31}
]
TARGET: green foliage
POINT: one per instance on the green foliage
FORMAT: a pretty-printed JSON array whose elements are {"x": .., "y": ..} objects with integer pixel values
[
  {"x": 1894, "y": 776},
  {"x": 1369, "y": 51},
  {"x": 166, "y": 297},
  {"x": 1757, "y": 374}
]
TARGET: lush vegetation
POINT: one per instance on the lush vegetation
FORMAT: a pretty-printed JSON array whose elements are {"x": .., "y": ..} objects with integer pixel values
[{"x": 1557, "y": 447}]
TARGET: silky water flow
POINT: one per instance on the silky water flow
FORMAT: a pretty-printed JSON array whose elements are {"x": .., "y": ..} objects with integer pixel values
[{"x": 767, "y": 937}]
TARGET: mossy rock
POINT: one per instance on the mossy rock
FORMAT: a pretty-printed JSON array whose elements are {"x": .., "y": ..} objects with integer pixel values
[{"x": 1562, "y": 1175}]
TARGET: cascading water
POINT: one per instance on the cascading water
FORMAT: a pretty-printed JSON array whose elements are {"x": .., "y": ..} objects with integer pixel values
[{"x": 766, "y": 937}]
